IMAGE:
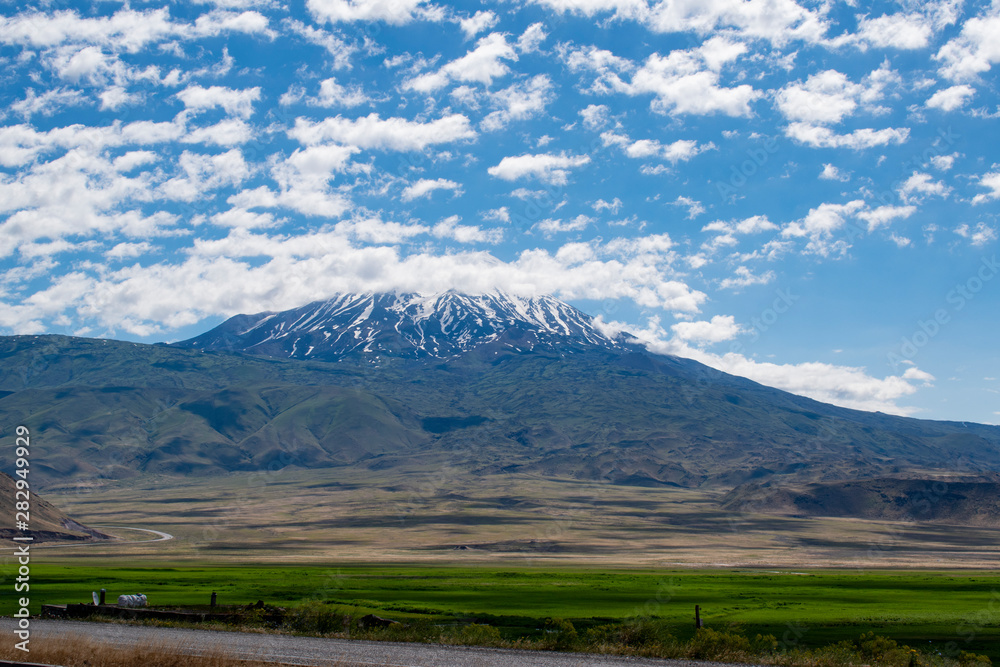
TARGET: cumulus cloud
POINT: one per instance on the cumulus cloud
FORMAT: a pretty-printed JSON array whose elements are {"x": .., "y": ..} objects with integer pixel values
[
  {"x": 992, "y": 182},
  {"x": 719, "y": 328},
  {"x": 821, "y": 227},
  {"x": 897, "y": 31},
  {"x": 396, "y": 12},
  {"x": 689, "y": 81},
  {"x": 832, "y": 173},
  {"x": 481, "y": 65},
  {"x": 828, "y": 97},
  {"x": 228, "y": 278},
  {"x": 979, "y": 235},
  {"x": 744, "y": 277},
  {"x": 823, "y": 137},
  {"x": 518, "y": 102},
  {"x": 546, "y": 167},
  {"x": 234, "y": 102},
  {"x": 949, "y": 99},
  {"x": 846, "y": 386},
  {"x": 425, "y": 187},
  {"x": 975, "y": 50},
  {"x": 883, "y": 216},
  {"x": 372, "y": 132},
  {"x": 475, "y": 24},
  {"x": 919, "y": 186}
]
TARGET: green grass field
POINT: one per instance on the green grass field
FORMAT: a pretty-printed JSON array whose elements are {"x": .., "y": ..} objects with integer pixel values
[{"x": 932, "y": 611}]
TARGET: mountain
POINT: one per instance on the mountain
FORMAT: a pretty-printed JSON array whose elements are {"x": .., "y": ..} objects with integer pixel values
[
  {"x": 488, "y": 385},
  {"x": 407, "y": 326}
]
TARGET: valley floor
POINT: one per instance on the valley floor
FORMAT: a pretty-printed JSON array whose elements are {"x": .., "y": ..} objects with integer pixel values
[{"x": 443, "y": 516}]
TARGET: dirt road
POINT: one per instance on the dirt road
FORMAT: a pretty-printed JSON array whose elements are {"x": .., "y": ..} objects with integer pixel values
[{"x": 322, "y": 652}]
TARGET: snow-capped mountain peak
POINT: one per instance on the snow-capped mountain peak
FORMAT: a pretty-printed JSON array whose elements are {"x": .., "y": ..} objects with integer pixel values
[{"x": 407, "y": 325}]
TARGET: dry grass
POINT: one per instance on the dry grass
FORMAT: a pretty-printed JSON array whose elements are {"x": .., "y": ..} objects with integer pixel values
[
  {"x": 81, "y": 651},
  {"x": 500, "y": 518}
]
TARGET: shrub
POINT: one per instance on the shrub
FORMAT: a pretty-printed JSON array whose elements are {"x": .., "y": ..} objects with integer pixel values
[
  {"x": 709, "y": 644},
  {"x": 560, "y": 634},
  {"x": 479, "y": 635},
  {"x": 640, "y": 633},
  {"x": 316, "y": 617}
]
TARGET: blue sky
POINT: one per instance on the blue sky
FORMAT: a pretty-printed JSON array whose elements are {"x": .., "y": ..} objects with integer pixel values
[{"x": 804, "y": 193}]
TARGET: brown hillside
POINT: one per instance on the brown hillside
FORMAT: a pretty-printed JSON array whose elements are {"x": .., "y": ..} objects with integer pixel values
[
  {"x": 47, "y": 522},
  {"x": 963, "y": 502}
]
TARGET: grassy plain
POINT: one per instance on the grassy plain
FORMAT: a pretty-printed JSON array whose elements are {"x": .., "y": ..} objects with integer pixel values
[
  {"x": 444, "y": 515},
  {"x": 939, "y": 611},
  {"x": 513, "y": 550}
]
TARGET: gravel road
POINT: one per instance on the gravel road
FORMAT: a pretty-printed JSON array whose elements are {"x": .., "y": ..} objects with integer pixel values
[{"x": 324, "y": 652}]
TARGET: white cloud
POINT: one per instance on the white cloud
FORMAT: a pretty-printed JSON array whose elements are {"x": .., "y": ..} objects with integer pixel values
[
  {"x": 336, "y": 47},
  {"x": 546, "y": 167},
  {"x": 228, "y": 132},
  {"x": 920, "y": 185},
  {"x": 821, "y": 225},
  {"x": 425, "y": 187},
  {"x": 332, "y": 94},
  {"x": 371, "y": 131},
  {"x": 393, "y": 12},
  {"x": 551, "y": 226},
  {"x": 595, "y": 116},
  {"x": 317, "y": 264},
  {"x": 900, "y": 241},
  {"x": 828, "y": 97},
  {"x": 694, "y": 207},
  {"x": 622, "y": 8},
  {"x": 531, "y": 38},
  {"x": 719, "y": 328},
  {"x": 303, "y": 183},
  {"x": 688, "y": 81},
  {"x": 979, "y": 235},
  {"x": 832, "y": 173},
  {"x": 823, "y": 137},
  {"x": 450, "y": 229},
  {"x": 728, "y": 229},
  {"x": 991, "y": 181},
  {"x": 614, "y": 205},
  {"x": 943, "y": 162},
  {"x": 743, "y": 277},
  {"x": 48, "y": 103},
  {"x": 778, "y": 21},
  {"x": 126, "y": 29},
  {"x": 234, "y": 102},
  {"x": 520, "y": 101},
  {"x": 473, "y": 25},
  {"x": 240, "y": 217},
  {"x": 883, "y": 216},
  {"x": 128, "y": 250},
  {"x": 975, "y": 50},
  {"x": 897, "y": 31},
  {"x": 481, "y": 65},
  {"x": 846, "y": 386},
  {"x": 949, "y": 99},
  {"x": 202, "y": 173}
]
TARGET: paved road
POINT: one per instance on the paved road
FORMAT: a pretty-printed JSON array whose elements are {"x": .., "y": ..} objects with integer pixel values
[{"x": 324, "y": 652}]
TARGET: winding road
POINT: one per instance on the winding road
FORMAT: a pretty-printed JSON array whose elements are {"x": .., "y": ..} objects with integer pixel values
[{"x": 288, "y": 650}]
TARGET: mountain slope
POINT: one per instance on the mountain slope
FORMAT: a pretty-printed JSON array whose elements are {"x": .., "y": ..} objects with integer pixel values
[
  {"x": 47, "y": 522},
  {"x": 103, "y": 410},
  {"x": 407, "y": 326}
]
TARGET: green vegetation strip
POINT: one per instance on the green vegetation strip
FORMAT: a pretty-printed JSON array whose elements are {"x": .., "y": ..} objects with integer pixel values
[{"x": 934, "y": 612}]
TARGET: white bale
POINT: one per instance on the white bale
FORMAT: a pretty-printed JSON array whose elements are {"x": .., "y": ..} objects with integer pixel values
[{"x": 132, "y": 600}]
